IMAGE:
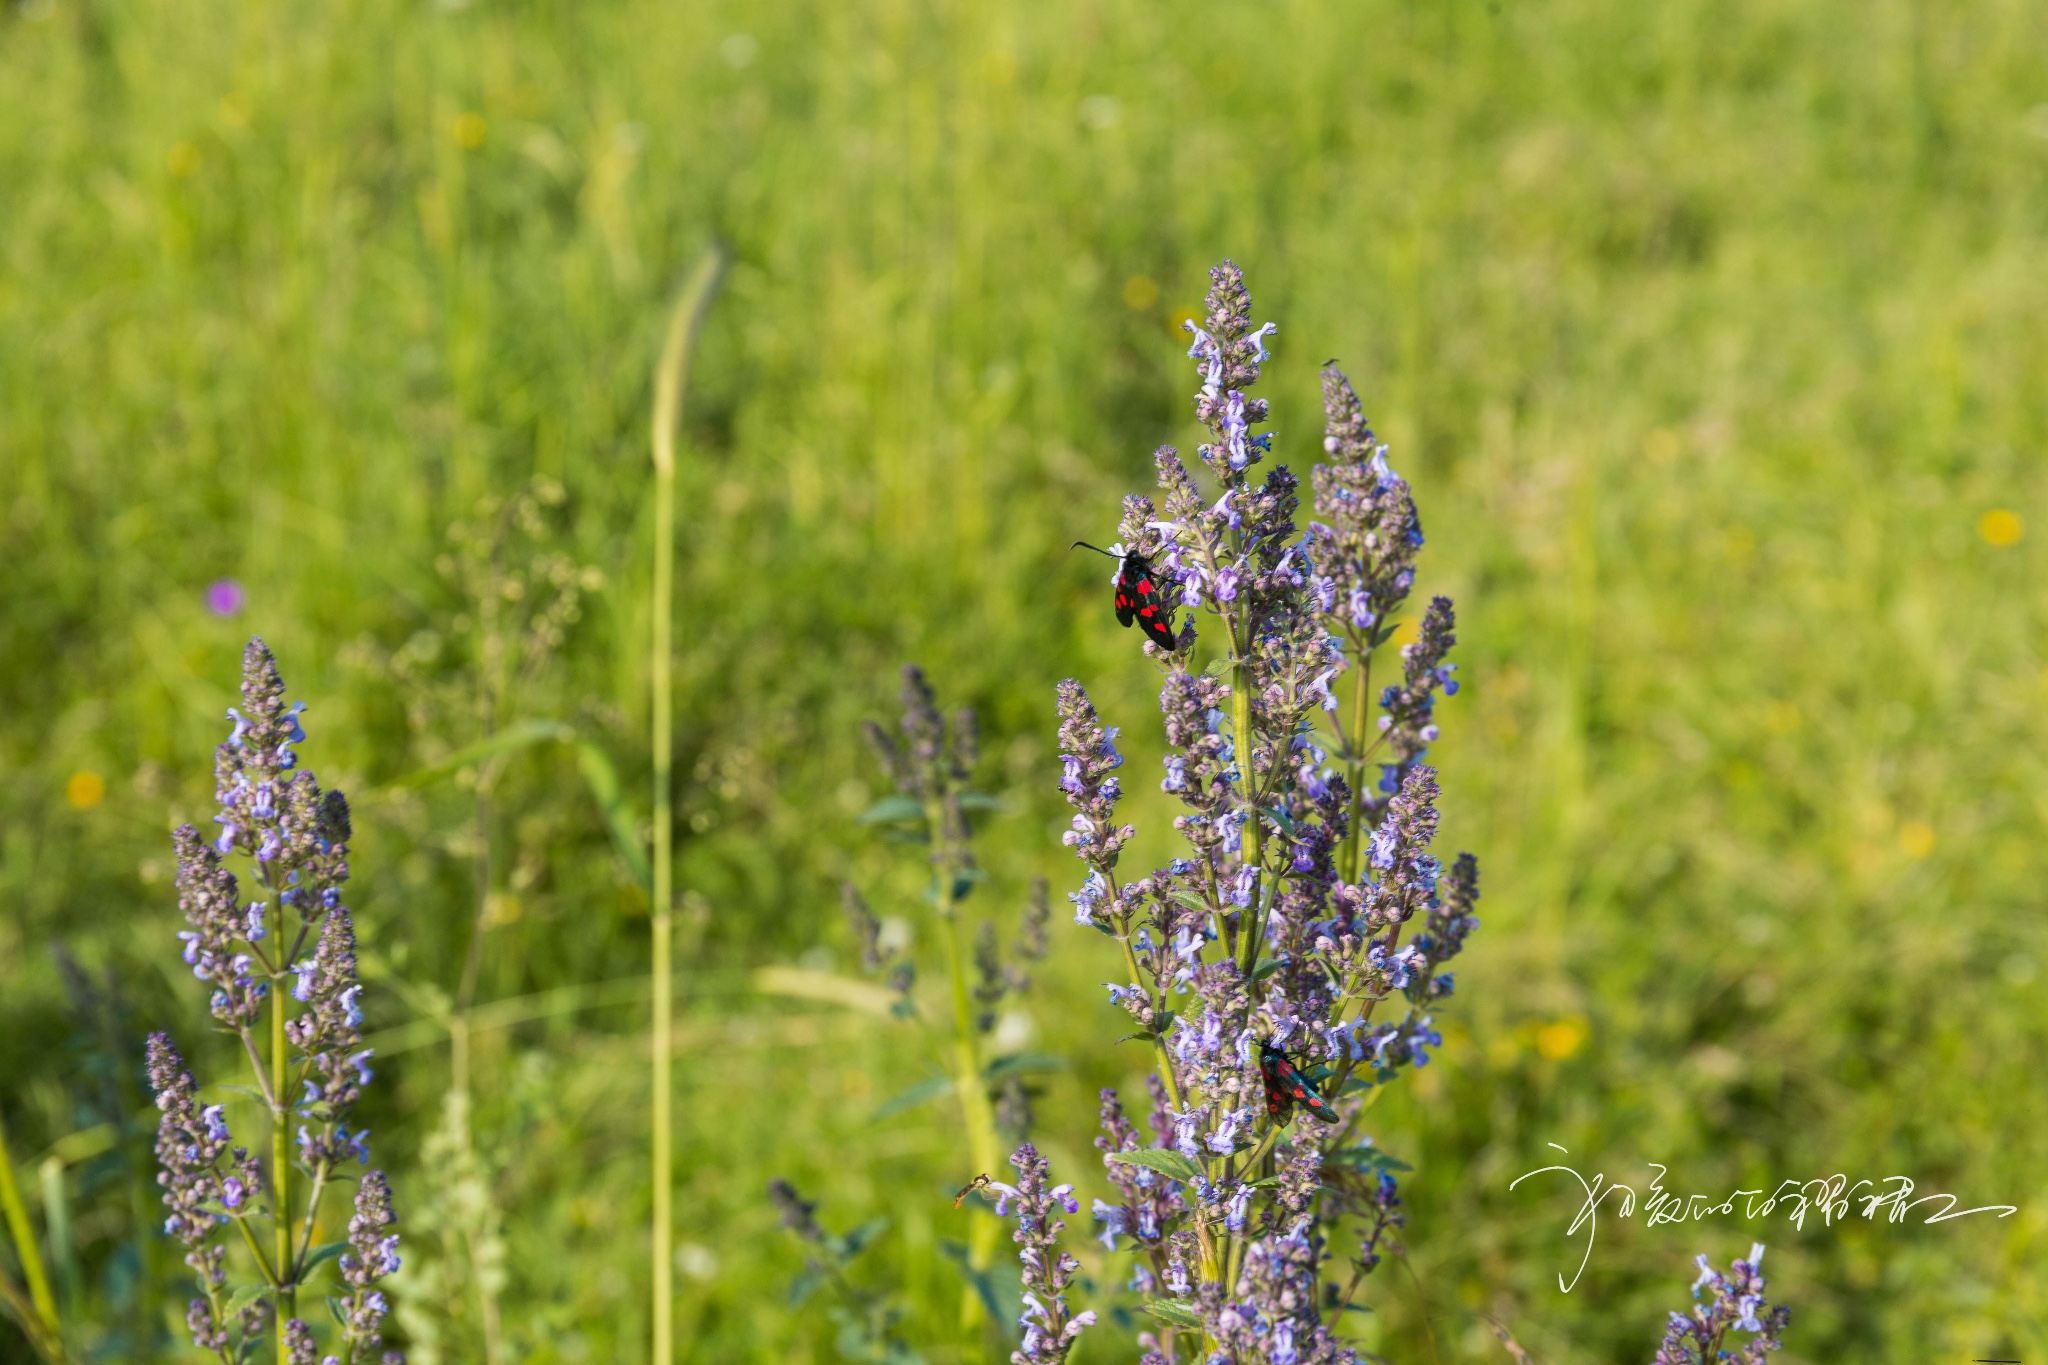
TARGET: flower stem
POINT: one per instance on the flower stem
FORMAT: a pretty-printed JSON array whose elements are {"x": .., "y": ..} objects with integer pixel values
[
  {"x": 280, "y": 1156},
  {"x": 1159, "y": 1053},
  {"x": 975, "y": 1109},
  {"x": 1241, "y": 724},
  {"x": 670, "y": 379},
  {"x": 312, "y": 1211},
  {"x": 1354, "y": 763},
  {"x": 25, "y": 1244}
]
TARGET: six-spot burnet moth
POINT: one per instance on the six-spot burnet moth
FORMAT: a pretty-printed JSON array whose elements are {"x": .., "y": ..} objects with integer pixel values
[
  {"x": 1286, "y": 1088},
  {"x": 1139, "y": 600}
]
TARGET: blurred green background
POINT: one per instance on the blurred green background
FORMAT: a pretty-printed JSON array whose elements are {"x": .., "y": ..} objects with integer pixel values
[{"x": 1713, "y": 335}]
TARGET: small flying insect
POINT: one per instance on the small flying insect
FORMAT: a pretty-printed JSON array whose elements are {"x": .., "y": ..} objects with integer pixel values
[{"x": 980, "y": 1182}]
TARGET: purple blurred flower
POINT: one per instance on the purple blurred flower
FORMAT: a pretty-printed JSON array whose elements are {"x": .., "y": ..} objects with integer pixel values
[{"x": 224, "y": 597}]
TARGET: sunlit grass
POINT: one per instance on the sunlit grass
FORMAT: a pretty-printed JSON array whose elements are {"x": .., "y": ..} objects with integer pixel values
[{"x": 1711, "y": 335}]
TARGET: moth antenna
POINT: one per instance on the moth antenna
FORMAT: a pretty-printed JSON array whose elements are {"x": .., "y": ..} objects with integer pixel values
[{"x": 1084, "y": 545}]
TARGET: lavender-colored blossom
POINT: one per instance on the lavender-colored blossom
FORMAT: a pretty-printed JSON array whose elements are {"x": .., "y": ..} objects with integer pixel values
[
  {"x": 298, "y": 1342},
  {"x": 1366, "y": 532},
  {"x": 1271, "y": 1313},
  {"x": 867, "y": 930},
  {"x": 207, "y": 1333},
  {"x": 932, "y": 764},
  {"x": 329, "y": 1033},
  {"x": 1735, "y": 1303},
  {"x": 372, "y": 1254},
  {"x": 190, "y": 1143},
  {"x": 1089, "y": 757},
  {"x": 1049, "y": 1329},
  {"x": 269, "y": 811},
  {"x": 1409, "y": 704},
  {"x": 208, "y": 895}
]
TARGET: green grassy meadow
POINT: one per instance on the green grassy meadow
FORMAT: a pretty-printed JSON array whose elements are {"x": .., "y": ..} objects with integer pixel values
[{"x": 1713, "y": 335}]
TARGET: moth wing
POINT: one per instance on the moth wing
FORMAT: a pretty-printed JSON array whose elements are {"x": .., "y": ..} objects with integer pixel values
[
  {"x": 1139, "y": 586},
  {"x": 1321, "y": 1108},
  {"x": 1127, "y": 594}
]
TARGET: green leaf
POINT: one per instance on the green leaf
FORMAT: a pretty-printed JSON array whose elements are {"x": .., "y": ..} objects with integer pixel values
[
  {"x": 894, "y": 810},
  {"x": 979, "y": 801},
  {"x": 924, "y": 1092},
  {"x": 863, "y": 1236},
  {"x": 340, "y": 1310},
  {"x": 512, "y": 737},
  {"x": 805, "y": 1285},
  {"x": 1267, "y": 968},
  {"x": 599, "y": 775},
  {"x": 979, "y": 1280},
  {"x": 620, "y": 819},
  {"x": 1169, "y": 1311},
  {"x": 1280, "y": 818},
  {"x": 1022, "y": 1063},
  {"x": 1191, "y": 900},
  {"x": 325, "y": 1252},
  {"x": 1146, "y": 1037},
  {"x": 1163, "y": 1160},
  {"x": 1366, "y": 1157},
  {"x": 242, "y": 1298}
]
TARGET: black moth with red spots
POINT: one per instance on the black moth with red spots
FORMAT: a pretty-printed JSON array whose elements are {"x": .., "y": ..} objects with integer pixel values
[
  {"x": 1285, "y": 1088},
  {"x": 1140, "y": 598}
]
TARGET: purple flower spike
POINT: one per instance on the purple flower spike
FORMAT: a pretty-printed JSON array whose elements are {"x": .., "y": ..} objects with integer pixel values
[
  {"x": 1049, "y": 1329},
  {"x": 372, "y": 1255},
  {"x": 1304, "y": 899},
  {"x": 274, "y": 816}
]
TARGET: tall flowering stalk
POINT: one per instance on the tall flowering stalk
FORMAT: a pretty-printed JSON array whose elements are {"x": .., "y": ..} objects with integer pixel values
[
  {"x": 287, "y": 961},
  {"x": 932, "y": 766},
  {"x": 1303, "y": 903}
]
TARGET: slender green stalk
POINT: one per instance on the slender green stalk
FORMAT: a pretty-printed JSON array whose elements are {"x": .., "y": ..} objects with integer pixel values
[
  {"x": 280, "y": 1156},
  {"x": 975, "y": 1109},
  {"x": 1253, "y": 925},
  {"x": 670, "y": 379},
  {"x": 1159, "y": 1056},
  {"x": 25, "y": 1247},
  {"x": 1354, "y": 762},
  {"x": 57, "y": 1222},
  {"x": 1241, "y": 723}
]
